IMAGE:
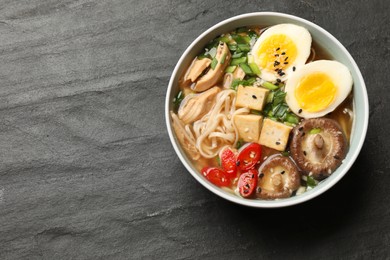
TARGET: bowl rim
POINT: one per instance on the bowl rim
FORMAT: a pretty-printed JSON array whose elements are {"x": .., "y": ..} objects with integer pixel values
[{"x": 266, "y": 203}]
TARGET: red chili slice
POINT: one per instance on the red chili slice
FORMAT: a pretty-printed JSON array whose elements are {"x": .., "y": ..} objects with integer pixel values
[
  {"x": 249, "y": 156},
  {"x": 248, "y": 182},
  {"x": 228, "y": 162},
  {"x": 216, "y": 176}
]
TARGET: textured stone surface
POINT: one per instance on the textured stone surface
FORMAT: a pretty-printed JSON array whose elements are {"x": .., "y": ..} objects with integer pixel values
[{"x": 87, "y": 169}]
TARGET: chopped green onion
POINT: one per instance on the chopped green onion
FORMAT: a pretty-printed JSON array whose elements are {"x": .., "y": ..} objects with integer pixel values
[
  {"x": 202, "y": 56},
  {"x": 244, "y": 47},
  {"x": 285, "y": 153},
  {"x": 212, "y": 52},
  {"x": 237, "y": 82},
  {"x": 279, "y": 97},
  {"x": 225, "y": 39},
  {"x": 254, "y": 68},
  {"x": 223, "y": 58},
  {"x": 250, "y": 58},
  {"x": 269, "y": 85},
  {"x": 242, "y": 29},
  {"x": 311, "y": 182},
  {"x": 246, "y": 68},
  {"x": 218, "y": 160},
  {"x": 250, "y": 81},
  {"x": 237, "y": 55},
  {"x": 230, "y": 69},
  {"x": 238, "y": 61},
  {"x": 241, "y": 39},
  {"x": 178, "y": 99},
  {"x": 315, "y": 131},
  {"x": 255, "y": 112},
  {"x": 280, "y": 110},
  {"x": 232, "y": 47},
  {"x": 239, "y": 144},
  {"x": 270, "y": 97},
  {"x": 214, "y": 63},
  {"x": 292, "y": 119},
  {"x": 252, "y": 34}
]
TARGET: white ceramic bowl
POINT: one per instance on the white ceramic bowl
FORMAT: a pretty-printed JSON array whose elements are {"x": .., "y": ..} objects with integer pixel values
[{"x": 325, "y": 40}]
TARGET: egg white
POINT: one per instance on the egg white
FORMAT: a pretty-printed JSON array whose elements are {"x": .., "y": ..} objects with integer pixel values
[
  {"x": 336, "y": 71},
  {"x": 299, "y": 35}
]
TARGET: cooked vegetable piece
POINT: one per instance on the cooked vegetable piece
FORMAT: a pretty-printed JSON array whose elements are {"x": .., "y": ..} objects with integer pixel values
[
  {"x": 246, "y": 68},
  {"x": 216, "y": 176},
  {"x": 237, "y": 61},
  {"x": 178, "y": 99},
  {"x": 249, "y": 155},
  {"x": 278, "y": 178},
  {"x": 269, "y": 85},
  {"x": 230, "y": 69},
  {"x": 318, "y": 155},
  {"x": 228, "y": 162},
  {"x": 247, "y": 183}
]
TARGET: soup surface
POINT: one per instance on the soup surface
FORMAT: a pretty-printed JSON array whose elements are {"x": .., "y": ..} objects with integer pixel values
[{"x": 264, "y": 112}]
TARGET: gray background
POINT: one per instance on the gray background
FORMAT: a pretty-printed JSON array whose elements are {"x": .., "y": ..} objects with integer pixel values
[{"x": 87, "y": 169}]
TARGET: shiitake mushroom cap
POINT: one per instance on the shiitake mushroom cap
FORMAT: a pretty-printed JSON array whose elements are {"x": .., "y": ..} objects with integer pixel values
[
  {"x": 320, "y": 152},
  {"x": 278, "y": 178}
]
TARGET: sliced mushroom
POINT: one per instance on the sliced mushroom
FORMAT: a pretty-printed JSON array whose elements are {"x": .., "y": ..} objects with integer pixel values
[
  {"x": 278, "y": 178},
  {"x": 194, "y": 106},
  {"x": 196, "y": 69},
  {"x": 214, "y": 75},
  {"x": 318, "y": 147},
  {"x": 186, "y": 140}
]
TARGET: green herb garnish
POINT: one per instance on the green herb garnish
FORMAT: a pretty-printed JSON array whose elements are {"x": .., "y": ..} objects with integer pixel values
[{"x": 315, "y": 131}]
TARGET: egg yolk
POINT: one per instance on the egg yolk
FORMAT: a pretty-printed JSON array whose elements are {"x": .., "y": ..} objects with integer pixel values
[
  {"x": 315, "y": 92},
  {"x": 276, "y": 52}
]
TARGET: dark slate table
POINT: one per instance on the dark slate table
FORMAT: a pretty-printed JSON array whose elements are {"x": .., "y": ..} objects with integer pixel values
[{"x": 87, "y": 169}]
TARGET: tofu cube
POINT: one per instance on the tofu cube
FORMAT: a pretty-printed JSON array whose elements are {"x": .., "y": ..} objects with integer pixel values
[
  {"x": 248, "y": 127},
  {"x": 251, "y": 97},
  {"x": 274, "y": 134}
]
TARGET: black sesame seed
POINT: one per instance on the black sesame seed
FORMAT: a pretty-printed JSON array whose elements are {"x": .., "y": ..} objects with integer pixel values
[
  {"x": 283, "y": 53},
  {"x": 303, "y": 134},
  {"x": 258, "y": 189},
  {"x": 276, "y": 55},
  {"x": 261, "y": 175},
  {"x": 277, "y": 143},
  {"x": 294, "y": 68},
  {"x": 300, "y": 111},
  {"x": 276, "y": 69},
  {"x": 286, "y": 58},
  {"x": 301, "y": 128},
  {"x": 278, "y": 49},
  {"x": 282, "y": 73},
  {"x": 336, "y": 157},
  {"x": 282, "y": 172},
  {"x": 238, "y": 163},
  {"x": 285, "y": 62},
  {"x": 247, "y": 186},
  {"x": 253, "y": 96},
  {"x": 279, "y": 80},
  {"x": 304, "y": 153}
]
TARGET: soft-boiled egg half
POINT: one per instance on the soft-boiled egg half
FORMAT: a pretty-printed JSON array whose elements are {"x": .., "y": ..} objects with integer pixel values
[
  {"x": 317, "y": 88},
  {"x": 280, "y": 50}
]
